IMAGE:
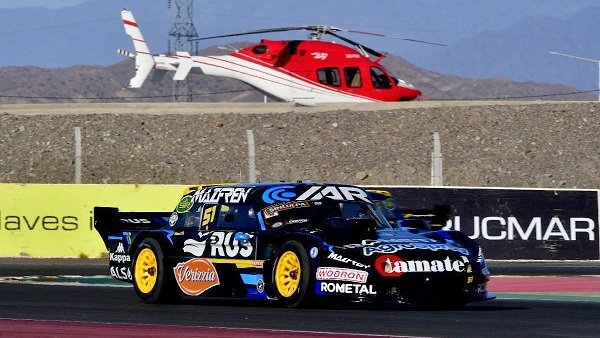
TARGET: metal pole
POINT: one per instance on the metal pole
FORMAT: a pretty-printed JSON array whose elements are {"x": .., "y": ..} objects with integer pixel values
[
  {"x": 251, "y": 157},
  {"x": 77, "y": 155},
  {"x": 436, "y": 161}
]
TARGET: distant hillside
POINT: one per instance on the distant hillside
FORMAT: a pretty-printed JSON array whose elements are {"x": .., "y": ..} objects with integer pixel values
[
  {"x": 106, "y": 84},
  {"x": 520, "y": 52}
]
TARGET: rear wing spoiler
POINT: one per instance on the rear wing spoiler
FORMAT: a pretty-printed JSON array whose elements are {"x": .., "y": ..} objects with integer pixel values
[{"x": 109, "y": 221}]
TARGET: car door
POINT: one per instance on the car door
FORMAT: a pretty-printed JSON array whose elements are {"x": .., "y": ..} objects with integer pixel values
[{"x": 232, "y": 231}]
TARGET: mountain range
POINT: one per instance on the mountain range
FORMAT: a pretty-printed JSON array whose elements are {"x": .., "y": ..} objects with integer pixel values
[{"x": 81, "y": 84}]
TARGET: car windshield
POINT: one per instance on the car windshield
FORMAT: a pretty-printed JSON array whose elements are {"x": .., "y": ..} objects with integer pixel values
[
  {"x": 316, "y": 214},
  {"x": 389, "y": 209}
]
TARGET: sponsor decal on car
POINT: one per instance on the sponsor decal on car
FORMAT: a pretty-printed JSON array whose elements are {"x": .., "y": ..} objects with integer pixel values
[
  {"x": 135, "y": 220},
  {"x": 314, "y": 252},
  {"x": 208, "y": 215},
  {"x": 395, "y": 266},
  {"x": 119, "y": 256},
  {"x": 340, "y": 258},
  {"x": 221, "y": 194},
  {"x": 120, "y": 248},
  {"x": 274, "y": 210},
  {"x": 345, "y": 288},
  {"x": 280, "y": 193},
  {"x": 222, "y": 244},
  {"x": 342, "y": 274},
  {"x": 121, "y": 273},
  {"x": 319, "y": 192},
  {"x": 185, "y": 204},
  {"x": 173, "y": 219},
  {"x": 389, "y": 247},
  {"x": 113, "y": 257},
  {"x": 374, "y": 242},
  {"x": 196, "y": 276},
  {"x": 260, "y": 286}
]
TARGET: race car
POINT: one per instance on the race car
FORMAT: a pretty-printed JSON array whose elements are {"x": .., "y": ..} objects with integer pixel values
[{"x": 297, "y": 243}]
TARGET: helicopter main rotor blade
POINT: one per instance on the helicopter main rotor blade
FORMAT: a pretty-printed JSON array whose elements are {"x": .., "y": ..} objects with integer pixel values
[
  {"x": 321, "y": 29},
  {"x": 258, "y": 31},
  {"x": 354, "y": 43},
  {"x": 394, "y": 37}
]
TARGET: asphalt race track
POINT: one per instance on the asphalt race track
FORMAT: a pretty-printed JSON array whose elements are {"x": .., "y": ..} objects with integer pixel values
[
  {"x": 89, "y": 306},
  {"x": 497, "y": 318}
]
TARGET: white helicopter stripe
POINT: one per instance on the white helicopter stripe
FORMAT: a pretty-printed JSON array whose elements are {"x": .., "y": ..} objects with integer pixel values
[
  {"x": 281, "y": 83},
  {"x": 298, "y": 80}
]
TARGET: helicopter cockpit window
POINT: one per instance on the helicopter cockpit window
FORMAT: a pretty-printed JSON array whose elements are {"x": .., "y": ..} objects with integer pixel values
[
  {"x": 329, "y": 76},
  {"x": 353, "y": 79},
  {"x": 379, "y": 79},
  {"x": 260, "y": 49}
]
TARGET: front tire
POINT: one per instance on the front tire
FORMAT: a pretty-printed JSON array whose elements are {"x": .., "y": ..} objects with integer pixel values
[
  {"x": 291, "y": 275},
  {"x": 151, "y": 280}
]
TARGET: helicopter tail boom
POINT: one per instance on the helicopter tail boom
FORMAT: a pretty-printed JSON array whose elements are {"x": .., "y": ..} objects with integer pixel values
[{"x": 144, "y": 61}]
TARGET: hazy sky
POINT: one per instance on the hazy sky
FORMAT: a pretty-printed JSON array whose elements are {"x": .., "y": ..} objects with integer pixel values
[
  {"x": 39, "y": 3},
  {"x": 485, "y": 38}
]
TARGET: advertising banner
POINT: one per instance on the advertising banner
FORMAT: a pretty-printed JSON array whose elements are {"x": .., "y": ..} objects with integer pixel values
[
  {"x": 56, "y": 220},
  {"x": 535, "y": 224}
]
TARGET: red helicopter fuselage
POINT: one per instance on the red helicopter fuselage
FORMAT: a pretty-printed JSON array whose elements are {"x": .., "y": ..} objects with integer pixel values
[{"x": 332, "y": 66}]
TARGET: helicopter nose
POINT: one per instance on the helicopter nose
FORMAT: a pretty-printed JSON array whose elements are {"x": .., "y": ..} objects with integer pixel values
[{"x": 409, "y": 94}]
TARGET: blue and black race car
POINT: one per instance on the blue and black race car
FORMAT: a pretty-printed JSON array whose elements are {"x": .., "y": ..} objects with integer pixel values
[{"x": 292, "y": 242}]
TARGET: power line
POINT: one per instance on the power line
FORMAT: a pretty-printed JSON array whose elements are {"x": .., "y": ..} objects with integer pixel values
[
  {"x": 115, "y": 98},
  {"x": 79, "y": 23},
  {"x": 499, "y": 98}
]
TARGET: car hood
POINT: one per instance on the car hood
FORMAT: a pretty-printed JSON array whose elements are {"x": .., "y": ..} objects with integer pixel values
[{"x": 401, "y": 242}]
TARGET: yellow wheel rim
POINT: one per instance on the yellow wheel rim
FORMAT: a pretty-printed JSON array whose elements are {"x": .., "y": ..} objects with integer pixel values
[
  {"x": 287, "y": 274},
  {"x": 146, "y": 270}
]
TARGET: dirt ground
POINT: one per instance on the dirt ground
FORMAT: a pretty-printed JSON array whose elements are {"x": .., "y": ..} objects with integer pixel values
[{"x": 486, "y": 144}]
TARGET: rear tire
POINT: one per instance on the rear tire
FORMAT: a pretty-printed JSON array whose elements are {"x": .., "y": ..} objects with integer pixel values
[
  {"x": 152, "y": 281},
  {"x": 291, "y": 275}
]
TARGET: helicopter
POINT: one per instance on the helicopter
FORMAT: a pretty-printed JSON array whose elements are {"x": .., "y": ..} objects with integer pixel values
[{"x": 305, "y": 72}]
